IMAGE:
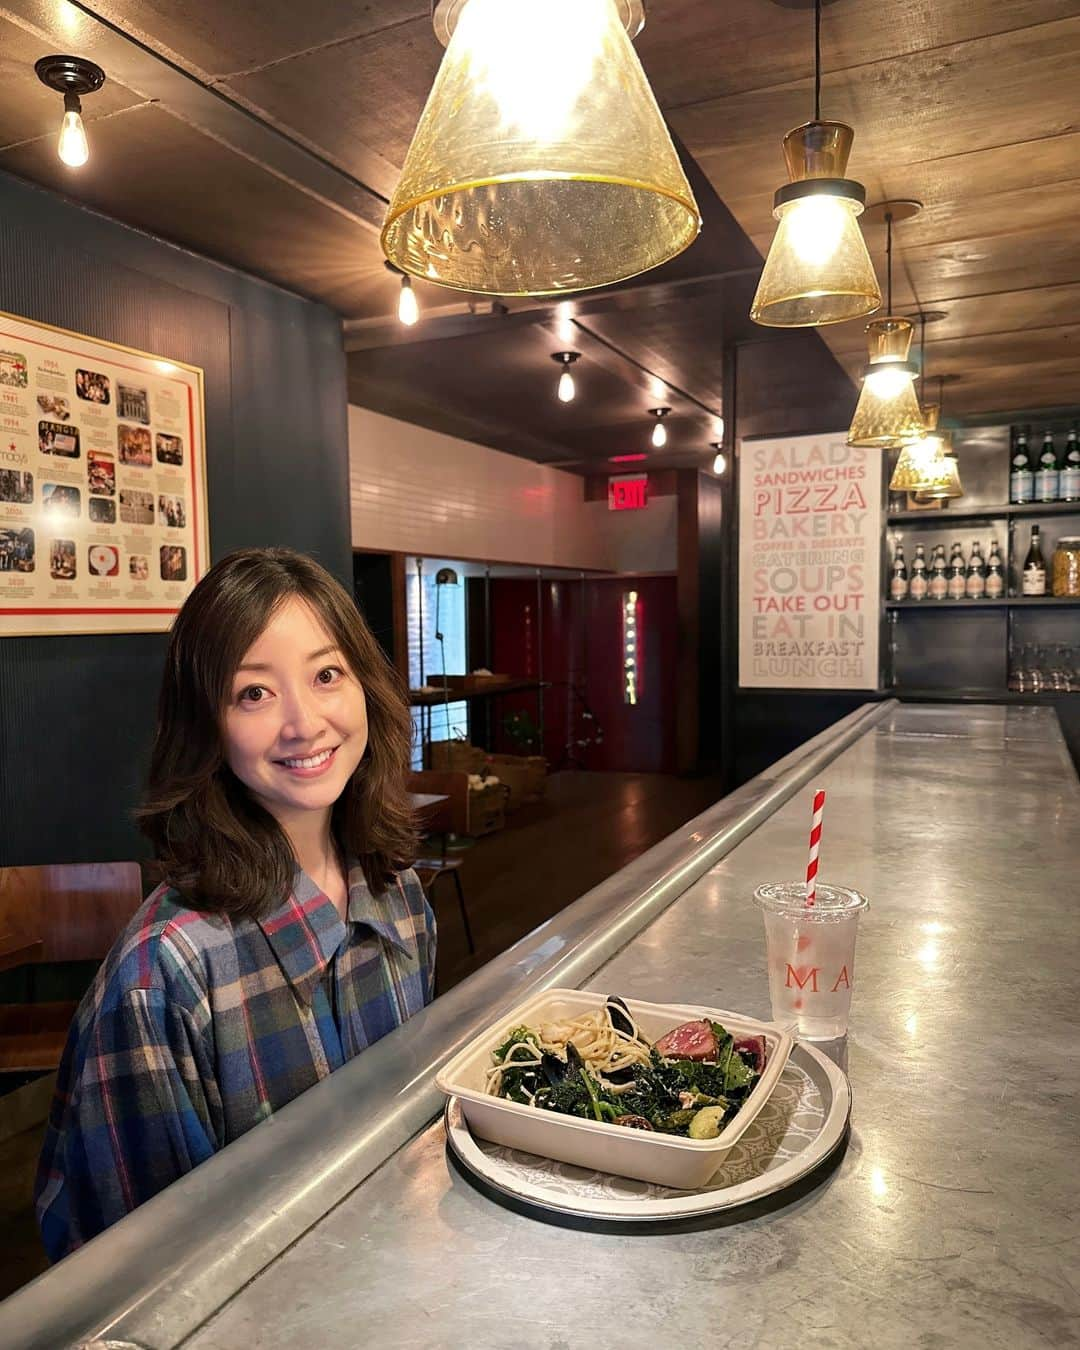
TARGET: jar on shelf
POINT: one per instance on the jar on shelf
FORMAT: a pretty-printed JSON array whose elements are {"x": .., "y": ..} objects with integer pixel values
[{"x": 1066, "y": 568}]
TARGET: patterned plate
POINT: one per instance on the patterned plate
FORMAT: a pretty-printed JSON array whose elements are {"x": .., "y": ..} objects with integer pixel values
[{"x": 802, "y": 1123}]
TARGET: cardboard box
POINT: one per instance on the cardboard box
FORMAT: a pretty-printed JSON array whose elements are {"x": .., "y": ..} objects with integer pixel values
[
  {"x": 486, "y": 809},
  {"x": 456, "y": 757},
  {"x": 524, "y": 775}
]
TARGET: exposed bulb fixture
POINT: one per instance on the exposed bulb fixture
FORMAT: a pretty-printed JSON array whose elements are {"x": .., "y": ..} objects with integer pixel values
[
  {"x": 818, "y": 270},
  {"x": 659, "y": 432},
  {"x": 887, "y": 415},
  {"x": 408, "y": 309},
  {"x": 541, "y": 162},
  {"x": 566, "y": 390},
  {"x": 71, "y": 76},
  {"x": 719, "y": 464}
]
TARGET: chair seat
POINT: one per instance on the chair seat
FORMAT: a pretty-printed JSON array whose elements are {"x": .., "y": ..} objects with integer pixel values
[
  {"x": 33, "y": 1035},
  {"x": 436, "y": 866}
]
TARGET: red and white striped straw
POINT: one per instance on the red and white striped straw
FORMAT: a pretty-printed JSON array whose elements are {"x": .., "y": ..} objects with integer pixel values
[{"x": 815, "y": 848}]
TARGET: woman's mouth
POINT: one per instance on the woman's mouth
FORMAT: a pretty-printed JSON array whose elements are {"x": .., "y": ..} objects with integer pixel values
[{"x": 308, "y": 766}]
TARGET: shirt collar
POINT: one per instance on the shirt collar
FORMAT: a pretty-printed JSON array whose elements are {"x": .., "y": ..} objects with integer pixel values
[{"x": 305, "y": 931}]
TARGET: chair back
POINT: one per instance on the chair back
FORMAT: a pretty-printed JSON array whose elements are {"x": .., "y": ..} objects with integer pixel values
[{"x": 76, "y": 909}]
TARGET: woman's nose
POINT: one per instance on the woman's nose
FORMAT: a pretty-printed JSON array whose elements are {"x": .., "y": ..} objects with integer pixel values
[{"x": 302, "y": 719}]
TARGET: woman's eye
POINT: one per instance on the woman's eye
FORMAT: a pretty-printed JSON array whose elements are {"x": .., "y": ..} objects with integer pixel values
[
  {"x": 329, "y": 675},
  {"x": 254, "y": 693}
]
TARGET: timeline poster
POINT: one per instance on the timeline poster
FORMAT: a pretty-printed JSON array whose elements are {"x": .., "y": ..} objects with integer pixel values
[
  {"x": 809, "y": 563},
  {"x": 102, "y": 484}
]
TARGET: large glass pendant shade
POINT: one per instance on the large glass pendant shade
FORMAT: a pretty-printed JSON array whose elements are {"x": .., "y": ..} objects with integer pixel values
[
  {"x": 818, "y": 270},
  {"x": 887, "y": 415},
  {"x": 944, "y": 472},
  {"x": 541, "y": 162}
]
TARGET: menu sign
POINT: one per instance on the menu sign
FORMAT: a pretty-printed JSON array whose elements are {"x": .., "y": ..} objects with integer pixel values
[
  {"x": 102, "y": 484},
  {"x": 809, "y": 564}
]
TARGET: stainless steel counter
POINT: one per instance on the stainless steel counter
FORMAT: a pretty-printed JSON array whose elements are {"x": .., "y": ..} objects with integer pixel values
[{"x": 952, "y": 1219}]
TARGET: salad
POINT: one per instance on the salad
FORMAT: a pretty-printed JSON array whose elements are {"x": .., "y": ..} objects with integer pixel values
[{"x": 601, "y": 1067}]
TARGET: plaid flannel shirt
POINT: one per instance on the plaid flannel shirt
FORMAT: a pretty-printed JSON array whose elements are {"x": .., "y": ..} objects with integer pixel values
[{"x": 198, "y": 1026}]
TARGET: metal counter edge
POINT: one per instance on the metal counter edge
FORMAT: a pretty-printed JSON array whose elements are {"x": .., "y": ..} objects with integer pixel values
[{"x": 155, "y": 1277}]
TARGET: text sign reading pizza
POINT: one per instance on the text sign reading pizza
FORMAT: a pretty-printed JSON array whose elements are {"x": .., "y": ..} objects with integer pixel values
[{"x": 809, "y": 564}]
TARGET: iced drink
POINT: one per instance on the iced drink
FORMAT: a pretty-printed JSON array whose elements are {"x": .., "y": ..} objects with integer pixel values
[{"x": 811, "y": 955}]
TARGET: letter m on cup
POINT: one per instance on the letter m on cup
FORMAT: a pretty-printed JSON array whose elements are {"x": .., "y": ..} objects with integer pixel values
[{"x": 805, "y": 975}]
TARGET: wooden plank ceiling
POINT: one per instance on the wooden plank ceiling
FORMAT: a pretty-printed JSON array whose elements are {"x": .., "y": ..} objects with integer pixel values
[{"x": 269, "y": 135}]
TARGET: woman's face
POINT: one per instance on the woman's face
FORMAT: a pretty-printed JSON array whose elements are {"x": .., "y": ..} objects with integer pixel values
[{"x": 295, "y": 727}]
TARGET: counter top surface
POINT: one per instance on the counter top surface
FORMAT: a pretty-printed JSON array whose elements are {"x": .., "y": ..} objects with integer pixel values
[{"x": 954, "y": 1217}]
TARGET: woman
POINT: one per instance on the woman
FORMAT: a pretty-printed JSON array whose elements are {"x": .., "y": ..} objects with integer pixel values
[{"x": 288, "y": 936}]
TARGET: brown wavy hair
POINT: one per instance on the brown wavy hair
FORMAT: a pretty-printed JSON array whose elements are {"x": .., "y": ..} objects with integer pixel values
[{"x": 221, "y": 850}]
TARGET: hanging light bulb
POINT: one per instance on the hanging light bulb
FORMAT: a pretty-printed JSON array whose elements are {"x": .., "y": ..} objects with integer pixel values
[
  {"x": 659, "y": 432},
  {"x": 566, "y": 390},
  {"x": 408, "y": 310},
  {"x": 71, "y": 76},
  {"x": 719, "y": 464},
  {"x": 887, "y": 414},
  {"x": 541, "y": 162},
  {"x": 818, "y": 270}
]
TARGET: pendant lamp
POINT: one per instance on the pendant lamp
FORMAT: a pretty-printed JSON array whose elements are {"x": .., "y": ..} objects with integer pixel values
[
  {"x": 942, "y": 470},
  {"x": 887, "y": 414},
  {"x": 541, "y": 162},
  {"x": 818, "y": 270}
]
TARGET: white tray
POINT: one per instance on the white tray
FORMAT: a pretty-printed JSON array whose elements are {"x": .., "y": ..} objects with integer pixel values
[{"x": 801, "y": 1125}]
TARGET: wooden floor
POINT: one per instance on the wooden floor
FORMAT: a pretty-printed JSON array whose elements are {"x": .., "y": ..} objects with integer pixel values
[{"x": 588, "y": 827}]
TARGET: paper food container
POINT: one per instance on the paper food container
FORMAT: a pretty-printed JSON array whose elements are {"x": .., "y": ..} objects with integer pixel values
[{"x": 665, "y": 1159}]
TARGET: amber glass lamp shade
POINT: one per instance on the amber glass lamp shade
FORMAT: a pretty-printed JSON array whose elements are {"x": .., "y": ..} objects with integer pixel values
[
  {"x": 888, "y": 414},
  {"x": 940, "y": 469},
  {"x": 541, "y": 162},
  {"x": 818, "y": 270}
]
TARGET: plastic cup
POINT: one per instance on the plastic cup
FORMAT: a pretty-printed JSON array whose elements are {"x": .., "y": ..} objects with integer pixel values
[{"x": 811, "y": 955}]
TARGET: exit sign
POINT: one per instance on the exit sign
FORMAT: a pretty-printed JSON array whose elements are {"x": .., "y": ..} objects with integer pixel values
[{"x": 628, "y": 492}]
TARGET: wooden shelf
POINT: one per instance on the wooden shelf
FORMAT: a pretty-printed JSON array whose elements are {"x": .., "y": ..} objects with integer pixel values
[
  {"x": 1016, "y": 602},
  {"x": 437, "y": 697},
  {"x": 1009, "y": 511}
]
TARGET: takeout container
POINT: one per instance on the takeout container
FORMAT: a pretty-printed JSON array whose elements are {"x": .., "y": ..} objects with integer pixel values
[{"x": 665, "y": 1159}]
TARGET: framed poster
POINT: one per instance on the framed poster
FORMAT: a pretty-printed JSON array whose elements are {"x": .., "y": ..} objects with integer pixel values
[
  {"x": 103, "y": 523},
  {"x": 809, "y": 563}
]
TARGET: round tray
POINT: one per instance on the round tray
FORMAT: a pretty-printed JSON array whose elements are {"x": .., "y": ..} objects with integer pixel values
[{"x": 803, "y": 1123}]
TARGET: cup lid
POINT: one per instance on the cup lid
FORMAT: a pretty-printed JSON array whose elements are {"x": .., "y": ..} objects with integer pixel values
[{"x": 830, "y": 902}]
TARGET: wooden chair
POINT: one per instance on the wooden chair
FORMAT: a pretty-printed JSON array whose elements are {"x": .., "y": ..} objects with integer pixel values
[
  {"x": 67, "y": 912},
  {"x": 443, "y": 819}
]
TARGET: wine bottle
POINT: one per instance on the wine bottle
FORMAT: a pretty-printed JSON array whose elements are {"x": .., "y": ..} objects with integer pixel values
[
  {"x": 1069, "y": 477},
  {"x": 1034, "y": 578},
  {"x": 1021, "y": 478}
]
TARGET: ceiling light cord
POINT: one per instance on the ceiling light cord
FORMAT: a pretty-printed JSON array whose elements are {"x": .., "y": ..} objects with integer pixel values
[
  {"x": 817, "y": 60},
  {"x": 888, "y": 258}
]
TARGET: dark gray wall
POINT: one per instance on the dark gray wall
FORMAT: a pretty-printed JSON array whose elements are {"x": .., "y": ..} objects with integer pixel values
[{"x": 76, "y": 713}]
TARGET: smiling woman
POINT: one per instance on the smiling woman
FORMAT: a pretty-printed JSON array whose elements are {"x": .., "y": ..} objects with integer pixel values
[{"x": 290, "y": 933}]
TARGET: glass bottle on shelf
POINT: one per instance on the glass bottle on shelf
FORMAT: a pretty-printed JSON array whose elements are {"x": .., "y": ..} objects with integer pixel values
[
  {"x": 898, "y": 582},
  {"x": 939, "y": 581},
  {"x": 975, "y": 577},
  {"x": 1046, "y": 475},
  {"x": 1034, "y": 577},
  {"x": 955, "y": 574},
  {"x": 995, "y": 573},
  {"x": 1021, "y": 478},
  {"x": 919, "y": 583},
  {"x": 1069, "y": 477}
]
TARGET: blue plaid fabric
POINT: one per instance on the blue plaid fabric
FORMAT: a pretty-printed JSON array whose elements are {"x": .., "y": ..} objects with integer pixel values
[{"x": 198, "y": 1026}]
